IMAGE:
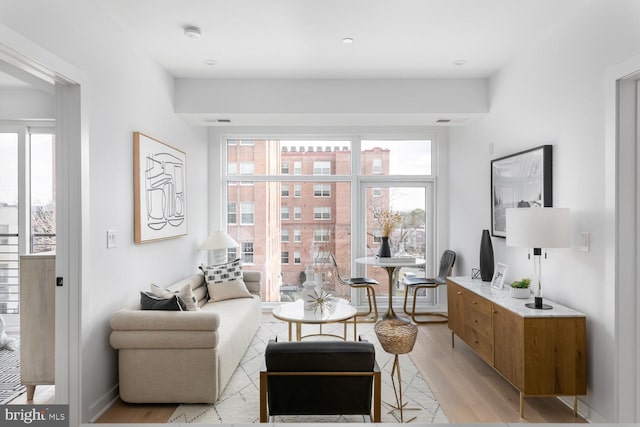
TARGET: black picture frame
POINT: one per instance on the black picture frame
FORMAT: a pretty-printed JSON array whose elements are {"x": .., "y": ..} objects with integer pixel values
[{"x": 520, "y": 180}]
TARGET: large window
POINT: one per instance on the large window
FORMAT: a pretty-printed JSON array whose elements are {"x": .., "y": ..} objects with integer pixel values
[
  {"x": 312, "y": 182},
  {"x": 27, "y": 204}
]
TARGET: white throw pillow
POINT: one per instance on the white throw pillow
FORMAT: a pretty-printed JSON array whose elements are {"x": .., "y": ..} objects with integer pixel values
[
  {"x": 224, "y": 281},
  {"x": 185, "y": 294}
]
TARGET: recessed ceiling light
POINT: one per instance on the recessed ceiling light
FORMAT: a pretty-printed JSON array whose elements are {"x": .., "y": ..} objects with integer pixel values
[
  {"x": 443, "y": 120},
  {"x": 459, "y": 62},
  {"x": 192, "y": 32},
  {"x": 210, "y": 62},
  {"x": 347, "y": 40}
]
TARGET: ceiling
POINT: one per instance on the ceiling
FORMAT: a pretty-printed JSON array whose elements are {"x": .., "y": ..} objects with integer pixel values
[{"x": 303, "y": 38}]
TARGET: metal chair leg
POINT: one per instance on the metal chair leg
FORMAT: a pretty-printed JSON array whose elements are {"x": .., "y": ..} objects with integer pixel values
[{"x": 413, "y": 307}]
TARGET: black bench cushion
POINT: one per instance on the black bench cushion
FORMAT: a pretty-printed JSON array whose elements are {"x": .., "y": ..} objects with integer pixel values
[{"x": 321, "y": 395}]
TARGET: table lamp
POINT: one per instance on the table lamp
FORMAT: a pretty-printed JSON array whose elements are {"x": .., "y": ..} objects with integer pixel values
[
  {"x": 538, "y": 228},
  {"x": 218, "y": 242}
]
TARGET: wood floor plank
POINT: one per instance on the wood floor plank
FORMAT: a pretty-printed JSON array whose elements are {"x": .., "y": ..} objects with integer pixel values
[{"x": 468, "y": 389}]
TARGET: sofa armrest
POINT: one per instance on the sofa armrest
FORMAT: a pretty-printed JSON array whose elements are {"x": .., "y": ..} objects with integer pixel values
[
  {"x": 135, "y": 319},
  {"x": 252, "y": 279}
]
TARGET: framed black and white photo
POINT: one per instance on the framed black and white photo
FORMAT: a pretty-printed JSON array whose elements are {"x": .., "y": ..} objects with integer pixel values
[
  {"x": 160, "y": 204},
  {"x": 497, "y": 282},
  {"x": 521, "y": 180}
]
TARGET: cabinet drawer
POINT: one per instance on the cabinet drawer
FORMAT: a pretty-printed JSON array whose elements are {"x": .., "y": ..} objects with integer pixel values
[
  {"x": 480, "y": 342},
  {"x": 475, "y": 302}
]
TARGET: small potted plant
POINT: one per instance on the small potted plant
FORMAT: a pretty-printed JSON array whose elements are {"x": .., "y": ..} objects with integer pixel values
[{"x": 520, "y": 288}]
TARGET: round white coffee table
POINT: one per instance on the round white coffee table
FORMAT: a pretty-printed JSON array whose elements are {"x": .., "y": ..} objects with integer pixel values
[{"x": 293, "y": 312}]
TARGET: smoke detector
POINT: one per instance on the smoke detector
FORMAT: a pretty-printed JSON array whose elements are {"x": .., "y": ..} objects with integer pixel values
[{"x": 192, "y": 32}]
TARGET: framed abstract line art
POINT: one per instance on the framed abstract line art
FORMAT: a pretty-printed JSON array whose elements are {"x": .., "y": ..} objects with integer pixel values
[
  {"x": 521, "y": 180},
  {"x": 160, "y": 202}
]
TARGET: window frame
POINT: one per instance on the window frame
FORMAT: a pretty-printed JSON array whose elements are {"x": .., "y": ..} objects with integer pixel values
[{"x": 355, "y": 177}]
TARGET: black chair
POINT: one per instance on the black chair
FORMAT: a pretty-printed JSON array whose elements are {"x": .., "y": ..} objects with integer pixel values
[
  {"x": 359, "y": 283},
  {"x": 320, "y": 378},
  {"x": 417, "y": 283}
]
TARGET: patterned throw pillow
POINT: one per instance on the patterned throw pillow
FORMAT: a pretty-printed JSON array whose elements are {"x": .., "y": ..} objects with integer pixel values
[
  {"x": 185, "y": 294},
  {"x": 224, "y": 281}
]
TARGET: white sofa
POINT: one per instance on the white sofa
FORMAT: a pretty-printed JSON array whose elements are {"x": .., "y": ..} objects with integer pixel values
[{"x": 188, "y": 356}]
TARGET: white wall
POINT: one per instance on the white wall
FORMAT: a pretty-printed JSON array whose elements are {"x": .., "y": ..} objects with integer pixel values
[
  {"x": 25, "y": 104},
  {"x": 553, "y": 93},
  {"x": 126, "y": 92}
]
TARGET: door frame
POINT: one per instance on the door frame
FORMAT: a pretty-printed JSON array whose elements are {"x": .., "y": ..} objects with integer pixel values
[
  {"x": 72, "y": 203},
  {"x": 622, "y": 160}
]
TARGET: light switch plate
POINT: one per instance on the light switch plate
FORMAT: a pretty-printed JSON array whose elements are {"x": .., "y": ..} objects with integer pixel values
[
  {"x": 585, "y": 241},
  {"x": 111, "y": 239}
]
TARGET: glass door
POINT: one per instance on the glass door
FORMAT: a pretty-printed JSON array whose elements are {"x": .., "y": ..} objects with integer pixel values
[
  {"x": 9, "y": 226},
  {"x": 27, "y": 207},
  {"x": 412, "y": 205}
]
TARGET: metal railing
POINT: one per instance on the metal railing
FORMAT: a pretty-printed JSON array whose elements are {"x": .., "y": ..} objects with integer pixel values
[
  {"x": 9, "y": 274},
  {"x": 10, "y": 267}
]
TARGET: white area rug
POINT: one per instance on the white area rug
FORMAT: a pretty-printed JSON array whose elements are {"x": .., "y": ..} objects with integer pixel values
[
  {"x": 10, "y": 382},
  {"x": 239, "y": 401}
]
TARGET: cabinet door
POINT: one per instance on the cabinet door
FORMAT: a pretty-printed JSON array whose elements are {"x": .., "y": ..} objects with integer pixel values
[
  {"x": 477, "y": 325},
  {"x": 455, "y": 307},
  {"x": 508, "y": 345}
]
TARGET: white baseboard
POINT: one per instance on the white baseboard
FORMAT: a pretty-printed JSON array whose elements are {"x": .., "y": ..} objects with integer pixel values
[
  {"x": 584, "y": 410},
  {"x": 103, "y": 404}
]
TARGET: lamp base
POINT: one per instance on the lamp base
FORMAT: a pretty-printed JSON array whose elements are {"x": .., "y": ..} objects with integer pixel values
[{"x": 538, "y": 305}]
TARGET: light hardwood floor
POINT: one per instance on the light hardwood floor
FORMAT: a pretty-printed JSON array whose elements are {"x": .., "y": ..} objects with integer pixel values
[{"x": 467, "y": 388}]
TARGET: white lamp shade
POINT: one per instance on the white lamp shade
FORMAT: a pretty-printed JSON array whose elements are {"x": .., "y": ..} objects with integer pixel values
[
  {"x": 538, "y": 227},
  {"x": 219, "y": 240}
]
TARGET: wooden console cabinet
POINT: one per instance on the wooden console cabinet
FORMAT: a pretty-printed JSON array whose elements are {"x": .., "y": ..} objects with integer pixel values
[
  {"x": 540, "y": 352},
  {"x": 37, "y": 320}
]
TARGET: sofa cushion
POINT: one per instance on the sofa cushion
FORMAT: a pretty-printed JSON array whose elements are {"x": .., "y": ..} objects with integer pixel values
[
  {"x": 148, "y": 301},
  {"x": 224, "y": 281},
  {"x": 184, "y": 293}
]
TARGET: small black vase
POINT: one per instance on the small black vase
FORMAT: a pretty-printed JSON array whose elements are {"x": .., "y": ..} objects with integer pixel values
[
  {"x": 385, "y": 249},
  {"x": 486, "y": 257}
]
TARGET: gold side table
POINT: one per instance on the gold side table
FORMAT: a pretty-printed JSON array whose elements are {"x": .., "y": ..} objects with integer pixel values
[{"x": 397, "y": 337}]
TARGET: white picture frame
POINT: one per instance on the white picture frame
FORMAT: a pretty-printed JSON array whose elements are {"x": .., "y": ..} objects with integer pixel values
[{"x": 497, "y": 281}]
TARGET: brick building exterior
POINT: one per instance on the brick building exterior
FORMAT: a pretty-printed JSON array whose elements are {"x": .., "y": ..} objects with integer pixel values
[{"x": 283, "y": 226}]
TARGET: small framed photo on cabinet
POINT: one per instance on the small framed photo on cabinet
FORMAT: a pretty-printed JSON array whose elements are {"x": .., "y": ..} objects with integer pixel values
[{"x": 497, "y": 282}]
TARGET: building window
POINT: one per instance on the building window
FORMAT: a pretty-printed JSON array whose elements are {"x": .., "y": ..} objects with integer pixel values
[
  {"x": 232, "y": 169},
  {"x": 322, "y": 213},
  {"x": 377, "y": 234},
  {"x": 246, "y": 168},
  {"x": 322, "y": 167},
  {"x": 377, "y": 166},
  {"x": 246, "y": 213},
  {"x": 284, "y": 235},
  {"x": 297, "y": 168},
  {"x": 297, "y": 236},
  {"x": 297, "y": 190},
  {"x": 322, "y": 190},
  {"x": 284, "y": 190},
  {"x": 232, "y": 213},
  {"x": 321, "y": 236},
  {"x": 284, "y": 213},
  {"x": 246, "y": 142},
  {"x": 232, "y": 254},
  {"x": 321, "y": 257},
  {"x": 297, "y": 213},
  {"x": 377, "y": 192},
  {"x": 284, "y": 257},
  {"x": 284, "y": 168},
  {"x": 247, "y": 252},
  {"x": 297, "y": 258}
]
